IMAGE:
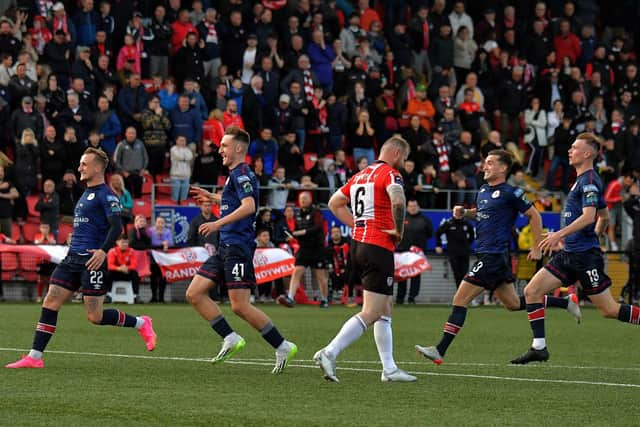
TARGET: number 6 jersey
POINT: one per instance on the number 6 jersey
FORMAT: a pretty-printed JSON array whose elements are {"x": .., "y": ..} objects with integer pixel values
[{"x": 371, "y": 205}]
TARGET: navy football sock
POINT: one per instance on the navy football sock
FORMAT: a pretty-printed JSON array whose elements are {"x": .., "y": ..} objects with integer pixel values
[
  {"x": 535, "y": 313},
  {"x": 629, "y": 314},
  {"x": 556, "y": 302},
  {"x": 115, "y": 317},
  {"x": 45, "y": 329},
  {"x": 271, "y": 335},
  {"x": 451, "y": 328},
  {"x": 221, "y": 326}
]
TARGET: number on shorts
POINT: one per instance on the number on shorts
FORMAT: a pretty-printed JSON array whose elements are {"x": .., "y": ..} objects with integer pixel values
[
  {"x": 95, "y": 277},
  {"x": 477, "y": 267},
  {"x": 238, "y": 270},
  {"x": 594, "y": 277}
]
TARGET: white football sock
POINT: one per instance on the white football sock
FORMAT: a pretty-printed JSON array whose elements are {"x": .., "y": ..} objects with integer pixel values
[
  {"x": 351, "y": 331},
  {"x": 384, "y": 342},
  {"x": 232, "y": 337},
  {"x": 35, "y": 354},
  {"x": 139, "y": 322},
  {"x": 539, "y": 343}
]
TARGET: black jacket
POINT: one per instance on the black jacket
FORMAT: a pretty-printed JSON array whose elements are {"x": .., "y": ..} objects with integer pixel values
[
  {"x": 53, "y": 156},
  {"x": 417, "y": 230},
  {"x": 197, "y": 239},
  {"x": 460, "y": 234}
]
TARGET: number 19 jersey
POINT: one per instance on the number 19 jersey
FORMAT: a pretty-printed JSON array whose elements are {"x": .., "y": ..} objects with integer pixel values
[{"x": 371, "y": 205}]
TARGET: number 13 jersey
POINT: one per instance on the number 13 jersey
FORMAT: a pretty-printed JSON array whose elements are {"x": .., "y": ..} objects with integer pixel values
[{"x": 371, "y": 205}]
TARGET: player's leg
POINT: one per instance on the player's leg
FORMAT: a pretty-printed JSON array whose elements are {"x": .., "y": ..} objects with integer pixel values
[
  {"x": 610, "y": 309},
  {"x": 464, "y": 295},
  {"x": 289, "y": 299},
  {"x": 542, "y": 283},
  {"x": 383, "y": 336},
  {"x": 45, "y": 328},
  {"x": 320, "y": 275},
  {"x": 512, "y": 302}
]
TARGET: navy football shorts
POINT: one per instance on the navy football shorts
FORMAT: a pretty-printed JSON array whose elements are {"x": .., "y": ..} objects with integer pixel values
[
  {"x": 490, "y": 271},
  {"x": 585, "y": 267},
  {"x": 72, "y": 274},
  {"x": 232, "y": 265}
]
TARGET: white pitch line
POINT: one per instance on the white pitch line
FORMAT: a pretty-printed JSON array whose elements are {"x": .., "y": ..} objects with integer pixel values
[{"x": 264, "y": 362}]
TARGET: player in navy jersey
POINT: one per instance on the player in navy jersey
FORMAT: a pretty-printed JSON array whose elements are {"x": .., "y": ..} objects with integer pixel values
[
  {"x": 584, "y": 218},
  {"x": 498, "y": 205},
  {"x": 232, "y": 265},
  {"x": 96, "y": 215}
]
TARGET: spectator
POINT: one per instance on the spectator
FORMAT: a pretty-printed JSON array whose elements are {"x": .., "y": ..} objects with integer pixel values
[
  {"x": 158, "y": 44},
  {"x": 20, "y": 85},
  {"x": 131, "y": 160},
  {"x": 6, "y": 63},
  {"x": 418, "y": 229},
  {"x": 616, "y": 193},
  {"x": 84, "y": 69},
  {"x": 422, "y": 107},
  {"x": 207, "y": 165},
  {"x": 466, "y": 157},
  {"x": 363, "y": 138},
  {"x": 213, "y": 129},
  {"x": 350, "y": 35},
  {"x": 61, "y": 22},
  {"x": 535, "y": 120},
  {"x": 129, "y": 54},
  {"x": 26, "y": 118},
  {"x": 270, "y": 86},
  {"x": 253, "y": 104},
  {"x": 464, "y": 52},
  {"x": 189, "y": 59},
  {"x": 116, "y": 184},
  {"x": 234, "y": 41},
  {"x": 279, "y": 186},
  {"x": 249, "y": 55},
  {"x": 132, "y": 99},
  {"x": 107, "y": 125},
  {"x": 418, "y": 31},
  {"x": 209, "y": 30},
  {"x": 566, "y": 44},
  {"x": 44, "y": 236},
  {"x": 512, "y": 99},
  {"x": 26, "y": 169},
  {"x": 180, "y": 31},
  {"x": 267, "y": 148},
  {"x": 161, "y": 239},
  {"x": 327, "y": 179},
  {"x": 74, "y": 149},
  {"x": 427, "y": 186},
  {"x": 186, "y": 122},
  {"x": 69, "y": 192},
  {"x": 450, "y": 127},
  {"x": 299, "y": 112},
  {"x": 48, "y": 205},
  {"x": 562, "y": 139},
  {"x": 180, "y": 172},
  {"x": 197, "y": 239},
  {"x": 8, "y": 194},
  {"x": 321, "y": 56},
  {"x": 155, "y": 126},
  {"x": 263, "y": 240},
  {"x": 138, "y": 236},
  {"x": 75, "y": 116},
  {"x": 442, "y": 47},
  {"x": 418, "y": 139},
  {"x": 122, "y": 264},
  {"x": 53, "y": 156}
]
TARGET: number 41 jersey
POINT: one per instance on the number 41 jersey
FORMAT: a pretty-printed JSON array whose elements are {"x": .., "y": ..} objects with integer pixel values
[{"x": 371, "y": 205}]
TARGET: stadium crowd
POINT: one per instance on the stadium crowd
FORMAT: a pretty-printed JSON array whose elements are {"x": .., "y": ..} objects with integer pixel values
[{"x": 154, "y": 84}]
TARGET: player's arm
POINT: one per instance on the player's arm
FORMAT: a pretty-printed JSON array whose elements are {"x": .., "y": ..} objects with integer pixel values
[
  {"x": 200, "y": 194},
  {"x": 535, "y": 220},
  {"x": 398, "y": 208},
  {"x": 338, "y": 205},
  {"x": 459, "y": 211},
  {"x": 603, "y": 221},
  {"x": 552, "y": 239},
  {"x": 98, "y": 255}
]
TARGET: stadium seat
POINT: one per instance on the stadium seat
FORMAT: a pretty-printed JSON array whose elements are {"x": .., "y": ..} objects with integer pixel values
[
  {"x": 142, "y": 207},
  {"x": 165, "y": 201},
  {"x": 31, "y": 204},
  {"x": 147, "y": 184},
  {"x": 16, "y": 234},
  {"x": 63, "y": 232},
  {"x": 310, "y": 160},
  {"x": 165, "y": 184},
  {"x": 29, "y": 266},
  {"x": 29, "y": 231},
  {"x": 9, "y": 262},
  {"x": 122, "y": 291}
]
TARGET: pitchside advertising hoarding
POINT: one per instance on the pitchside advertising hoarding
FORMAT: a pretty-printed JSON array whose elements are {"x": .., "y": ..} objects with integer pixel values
[{"x": 178, "y": 218}]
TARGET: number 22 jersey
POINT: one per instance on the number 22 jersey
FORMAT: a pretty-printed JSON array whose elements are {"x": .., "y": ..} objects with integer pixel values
[{"x": 371, "y": 205}]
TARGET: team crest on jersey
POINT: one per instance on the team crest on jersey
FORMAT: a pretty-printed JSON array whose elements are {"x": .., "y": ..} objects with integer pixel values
[
  {"x": 91, "y": 196},
  {"x": 247, "y": 187},
  {"x": 495, "y": 194}
]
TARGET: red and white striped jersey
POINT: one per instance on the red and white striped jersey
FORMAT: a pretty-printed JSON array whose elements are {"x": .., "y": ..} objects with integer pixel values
[{"x": 371, "y": 205}]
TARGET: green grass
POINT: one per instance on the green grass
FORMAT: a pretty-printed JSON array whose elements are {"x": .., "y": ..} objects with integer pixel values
[{"x": 474, "y": 387}]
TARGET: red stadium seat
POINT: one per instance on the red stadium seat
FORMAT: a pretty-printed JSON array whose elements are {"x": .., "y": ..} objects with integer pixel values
[
  {"x": 15, "y": 232},
  {"x": 147, "y": 184},
  {"x": 63, "y": 232},
  {"x": 31, "y": 204},
  {"x": 29, "y": 231},
  {"x": 165, "y": 187},
  {"x": 310, "y": 160},
  {"x": 9, "y": 265},
  {"x": 350, "y": 162},
  {"x": 142, "y": 207}
]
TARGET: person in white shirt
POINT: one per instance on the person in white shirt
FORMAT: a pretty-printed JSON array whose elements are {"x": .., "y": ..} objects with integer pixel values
[
  {"x": 458, "y": 18},
  {"x": 180, "y": 172}
]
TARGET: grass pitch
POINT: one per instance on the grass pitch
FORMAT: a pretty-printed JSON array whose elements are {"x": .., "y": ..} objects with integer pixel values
[{"x": 103, "y": 375}]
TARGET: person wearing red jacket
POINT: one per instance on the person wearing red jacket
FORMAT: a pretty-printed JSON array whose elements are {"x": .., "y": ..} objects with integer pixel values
[
  {"x": 566, "y": 44},
  {"x": 616, "y": 193},
  {"x": 122, "y": 264},
  {"x": 181, "y": 28}
]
